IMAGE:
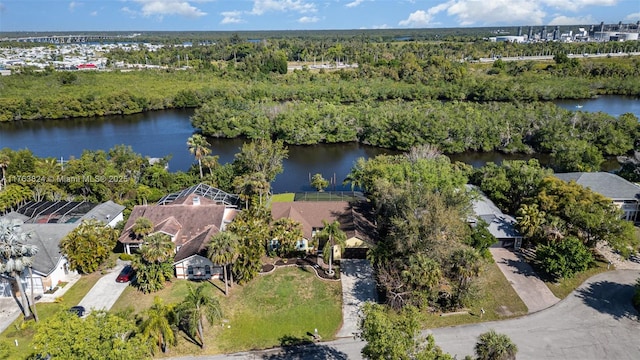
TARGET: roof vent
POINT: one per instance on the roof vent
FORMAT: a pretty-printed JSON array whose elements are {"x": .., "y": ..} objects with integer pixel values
[{"x": 196, "y": 200}]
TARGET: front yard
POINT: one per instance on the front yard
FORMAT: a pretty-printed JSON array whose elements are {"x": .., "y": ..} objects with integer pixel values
[
  {"x": 283, "y": 305},
  {"x": 22, "y": 331},
  {"x": 496, "y": 297}
]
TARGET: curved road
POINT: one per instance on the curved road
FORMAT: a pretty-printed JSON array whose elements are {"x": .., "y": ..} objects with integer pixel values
[{"x": 597, "y": 321}]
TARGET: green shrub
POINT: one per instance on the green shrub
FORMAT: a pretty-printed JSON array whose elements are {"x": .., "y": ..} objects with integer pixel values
[{"x": 125, "y": 257}]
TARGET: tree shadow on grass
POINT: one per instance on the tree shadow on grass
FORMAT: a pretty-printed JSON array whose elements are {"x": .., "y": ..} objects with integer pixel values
[
  {"x": 295, "y": 348},
  {"x": 609, "y": 298}
]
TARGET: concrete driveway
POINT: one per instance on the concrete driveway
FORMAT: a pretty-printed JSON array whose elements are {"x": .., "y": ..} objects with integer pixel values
[
  {"x": 597, "y": 321},
  {"x": 106, "y": 291},
  {"x": 358, "y": 286},
  {"x": 524, "y": 280}
]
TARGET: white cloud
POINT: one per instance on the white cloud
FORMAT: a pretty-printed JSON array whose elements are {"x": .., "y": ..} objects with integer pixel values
[
  {"x": 575, "y": 5},
  {"x": 231, "y": 17},
  {"x": 169, "y": 7},
  {"x": 129, "y": 12},
  {"x": 632, "y": 17},
  {"x": 308, "y": 19},
  {"x": 421, "y": 18},
  {"x": 470, "y": 12},
  {"x": 383, "y": 26},
  {"x": 93, "y": 13},
  {"x": 575, "y": 20},
  {"x": 354, "y": 3},
  {"x": 73, "y": 5},
  {"x": 262, "y": 6}
]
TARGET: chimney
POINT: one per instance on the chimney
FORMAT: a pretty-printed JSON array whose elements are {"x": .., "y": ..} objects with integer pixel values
[{"x": 196, "y": 200}]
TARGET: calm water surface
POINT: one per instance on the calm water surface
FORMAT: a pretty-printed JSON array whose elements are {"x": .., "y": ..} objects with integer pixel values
[{"x": 161, "y": 133}]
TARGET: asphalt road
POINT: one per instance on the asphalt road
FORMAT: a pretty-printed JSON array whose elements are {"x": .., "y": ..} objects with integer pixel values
[{"x": 595, "y": 322}]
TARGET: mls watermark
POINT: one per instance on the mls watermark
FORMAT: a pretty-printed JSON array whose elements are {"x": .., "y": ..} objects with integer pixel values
[{"x": 66, "y": 179}]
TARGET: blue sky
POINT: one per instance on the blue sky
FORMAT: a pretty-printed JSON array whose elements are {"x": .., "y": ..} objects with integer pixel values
[{"x": 237, "y": 15}]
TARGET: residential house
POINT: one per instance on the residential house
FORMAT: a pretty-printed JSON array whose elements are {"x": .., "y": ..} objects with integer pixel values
[
  {"x": 624, "y": 194},
  {"x": 501, "y": 226},
  {"x": 48, "y": 222},
  {"x": 190, "y": 217},
  {"x": 353, "y": 218}
]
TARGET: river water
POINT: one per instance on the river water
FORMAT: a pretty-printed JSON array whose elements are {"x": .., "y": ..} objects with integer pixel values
[{"x": 156, "y": 134}]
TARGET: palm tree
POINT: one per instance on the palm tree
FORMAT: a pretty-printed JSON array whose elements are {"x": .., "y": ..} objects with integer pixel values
[
  {"x": 142, "y": 227},
  {"x": 157, "y": 248},
  {"x": 223, "y": 250},
  {"x": 157, "y": 324},
  {"x": 334, "y": 236},
  {"x": 465, "y": 266},
  {"x": 211, "y": 162},
  {"x": 494, "y": 346},
  {"x": 200, "y": 148},
  {"x": 198, "y": 305},
  {"x": 530, "y": 219},
  {"x": 16, "y": 255},
  {"x": 5, "y": 160},
  {"x": 287, "y": 231}
]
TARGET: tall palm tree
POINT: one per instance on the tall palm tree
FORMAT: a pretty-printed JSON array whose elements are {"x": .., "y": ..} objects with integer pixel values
[
  {"x": 199, "y": 147},
  {"x": 197, "y": 307},
  {"x": 16, "y": 255},
  {"x": 157, "y": 324},
  {"x": 5, "y": 160},
  {"x": 157, "y": 248},
  {"x": 211, "y": 162},
  {"x": 223, "y": 250},
  {"x": 334, "y": 236},
  {"x": 494, "y": 346}
]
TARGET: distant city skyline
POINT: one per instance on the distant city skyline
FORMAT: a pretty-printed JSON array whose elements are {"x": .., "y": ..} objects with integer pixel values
[{"x": 252, "y": 15}]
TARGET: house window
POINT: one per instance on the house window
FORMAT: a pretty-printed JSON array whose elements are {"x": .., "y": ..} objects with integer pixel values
[
  {"x": 207, "y": 270},
  {"x": 190, "y": 270}
]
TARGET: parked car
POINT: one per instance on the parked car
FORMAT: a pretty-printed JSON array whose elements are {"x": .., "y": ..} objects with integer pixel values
[
  {"x": 126, "y": 274},
  {"x": 78, "y": 310}
]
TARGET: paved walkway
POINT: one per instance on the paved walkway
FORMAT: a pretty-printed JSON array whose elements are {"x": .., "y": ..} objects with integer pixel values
[
  {"x": 106, "y": 291},
  {"x": 358, "y": 286},
  {"x": 533, "y": 291}
]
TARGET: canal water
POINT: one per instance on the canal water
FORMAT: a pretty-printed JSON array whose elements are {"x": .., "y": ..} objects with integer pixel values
[{"x": 156, "y": 134}]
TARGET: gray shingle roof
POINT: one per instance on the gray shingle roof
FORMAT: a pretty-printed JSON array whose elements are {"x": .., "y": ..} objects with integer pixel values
[
  {"x": 47, "y": 238},
  {"x": 604, "y": 183},
  {"x": 501, "y": 226},
  {"x": 104, "y": 212}
]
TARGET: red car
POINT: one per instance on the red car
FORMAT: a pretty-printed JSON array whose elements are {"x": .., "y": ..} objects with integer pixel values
[{"x": 125, "y": 275}]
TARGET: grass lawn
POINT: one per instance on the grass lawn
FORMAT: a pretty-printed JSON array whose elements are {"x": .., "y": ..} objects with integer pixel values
[
  {"x": 285, "y": 304},
  {"x": 284, "y": 197},
  {"x": 496, "y": 297},
  {"x": 564, "y": 287},
  {"x": 23, "y": 331}
]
